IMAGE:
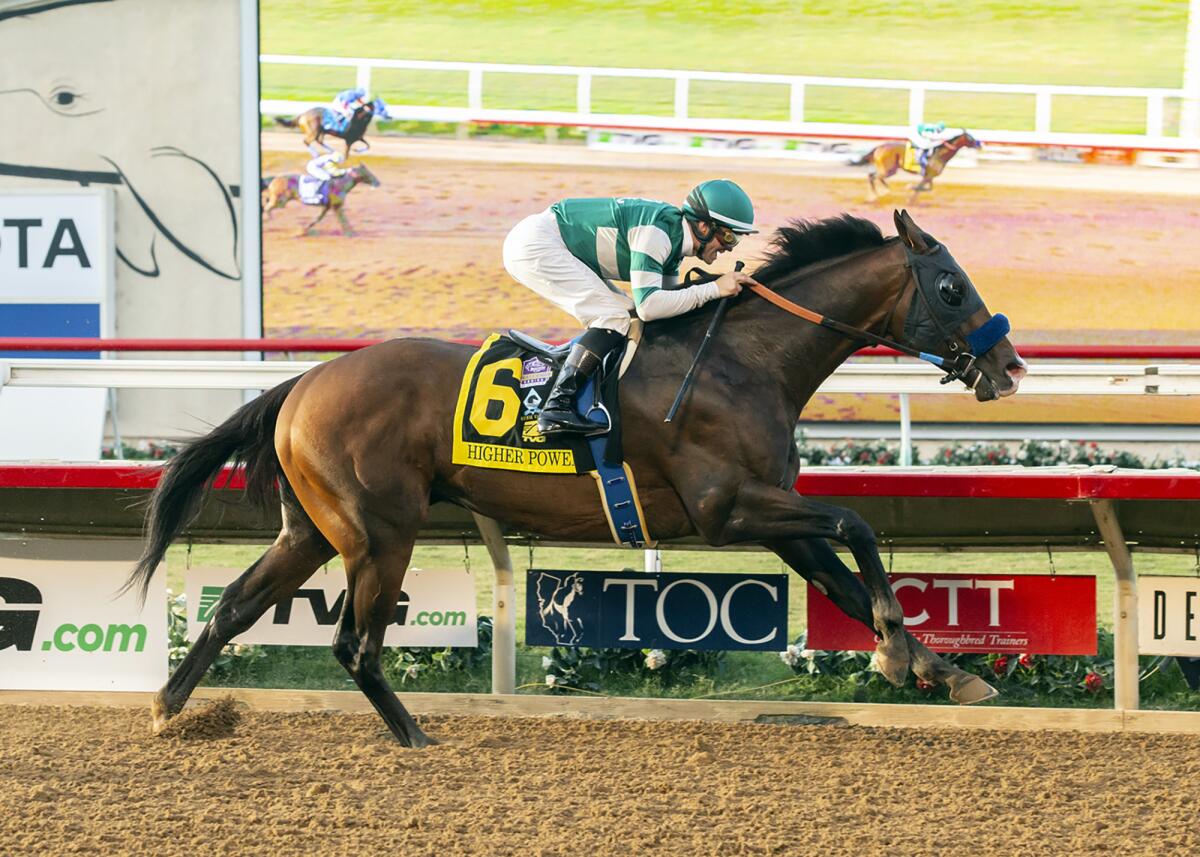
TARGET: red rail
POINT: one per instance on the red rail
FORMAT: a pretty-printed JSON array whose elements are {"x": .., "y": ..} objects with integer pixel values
[
  {"x": 1069, "y": 352},
  {"x": 953, "y": 482}
]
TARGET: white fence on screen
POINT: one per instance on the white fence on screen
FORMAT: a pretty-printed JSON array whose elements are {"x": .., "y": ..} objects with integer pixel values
[{"x": 1154, "y": 136}]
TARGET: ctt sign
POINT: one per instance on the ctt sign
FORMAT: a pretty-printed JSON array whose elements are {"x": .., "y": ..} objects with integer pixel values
[
  {"x": 633, "y": 610},
  {"x": 1037, "y": 613}
]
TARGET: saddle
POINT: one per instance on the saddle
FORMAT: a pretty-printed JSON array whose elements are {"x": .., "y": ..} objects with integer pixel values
[
  {"x": 333, "y": 121},
  {"x": 312, "y": 190},
  {"x": 505, "y": 384}
]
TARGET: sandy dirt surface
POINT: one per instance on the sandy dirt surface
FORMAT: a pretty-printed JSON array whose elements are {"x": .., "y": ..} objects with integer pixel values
[
  {"x": 1067, "y": 265},
  {"x": 77, "y": 780}
]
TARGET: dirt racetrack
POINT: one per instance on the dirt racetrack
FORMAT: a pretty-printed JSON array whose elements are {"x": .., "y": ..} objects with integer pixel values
[
  {"x": 1066, "y": 265},
  {"x": 75, "y": 780}
]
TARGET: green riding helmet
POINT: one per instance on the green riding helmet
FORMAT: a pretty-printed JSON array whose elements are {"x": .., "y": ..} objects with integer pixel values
[{"x": 721, "y": 201}]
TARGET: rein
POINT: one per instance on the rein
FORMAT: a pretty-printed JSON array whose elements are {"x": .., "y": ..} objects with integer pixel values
[{"x": 956, "y": 367}]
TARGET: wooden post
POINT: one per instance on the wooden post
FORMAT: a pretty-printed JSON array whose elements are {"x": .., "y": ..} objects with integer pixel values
[
  {"x": 504, "y": 596},
  {"x": 1125, "y": 611}
]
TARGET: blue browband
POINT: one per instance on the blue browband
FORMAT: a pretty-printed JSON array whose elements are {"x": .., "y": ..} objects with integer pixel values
[
  {"x": 981, "y": 340},
  {"x": 984, "y": 338}
]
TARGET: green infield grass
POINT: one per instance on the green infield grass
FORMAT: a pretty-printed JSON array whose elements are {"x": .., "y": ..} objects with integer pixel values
[{"x": 1115, "y": 43}]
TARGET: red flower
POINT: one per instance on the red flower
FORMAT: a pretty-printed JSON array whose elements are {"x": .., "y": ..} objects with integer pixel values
[
  {"x": 1094, "y": 682},
  {"x": 1026, "y": 660},
  {"x": 1000, "y": 666},
  {"x": 925, "y": 686}
]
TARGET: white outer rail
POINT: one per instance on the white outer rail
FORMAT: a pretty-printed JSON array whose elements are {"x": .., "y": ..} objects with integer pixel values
[
  {"x": 1044, "y": 378},
  {"x": 1154, "y": 136}
]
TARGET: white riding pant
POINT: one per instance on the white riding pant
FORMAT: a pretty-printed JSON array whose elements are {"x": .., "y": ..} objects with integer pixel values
[{"x": 536, "y": 256}]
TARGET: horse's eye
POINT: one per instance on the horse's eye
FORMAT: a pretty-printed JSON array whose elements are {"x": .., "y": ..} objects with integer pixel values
[
  {"x": 951, "y": 290},
  {"x": 64, "y": 98}
]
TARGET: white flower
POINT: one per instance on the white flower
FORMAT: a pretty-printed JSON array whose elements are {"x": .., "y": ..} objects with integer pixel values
[
  {"x": 412, "y": 671},
  {"x": 792, "y": 655},
  {"x": 655, "y": 658},
  {"x": 808, "y": 654},
  {"x": 547, "y": 662},
  {"x": 551, "y": 680}
]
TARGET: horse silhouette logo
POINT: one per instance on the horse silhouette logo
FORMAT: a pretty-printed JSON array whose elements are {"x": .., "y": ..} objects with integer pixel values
[{"x": 555, "y": 596}]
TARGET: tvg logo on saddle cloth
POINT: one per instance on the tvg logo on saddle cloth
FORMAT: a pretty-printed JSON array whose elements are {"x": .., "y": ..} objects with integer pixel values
[{"x": 495, "y": 421}]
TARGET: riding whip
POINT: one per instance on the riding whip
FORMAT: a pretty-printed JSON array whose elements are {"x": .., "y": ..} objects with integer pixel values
[{"x": 722, "y": 306}]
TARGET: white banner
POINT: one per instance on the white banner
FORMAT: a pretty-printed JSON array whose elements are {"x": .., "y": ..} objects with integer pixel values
[
  {"x": 61, "y": 626},
  {"x": 833, "y": 150},
  {"x": 1169, "y": 616},
  {"x": 436, "y": 608},
  {"x": 56, "y": 247}
]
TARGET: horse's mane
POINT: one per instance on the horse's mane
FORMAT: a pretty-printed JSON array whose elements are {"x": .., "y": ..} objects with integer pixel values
[{"x": 805, "y": 242}]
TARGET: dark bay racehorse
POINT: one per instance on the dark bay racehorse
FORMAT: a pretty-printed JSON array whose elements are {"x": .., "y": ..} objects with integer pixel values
[
  {"x": 887, "y": 159},
  {"x": 311, "y": 124},
  {"x": 281, "y": 190},
  {"x": 361, "y": 447}
]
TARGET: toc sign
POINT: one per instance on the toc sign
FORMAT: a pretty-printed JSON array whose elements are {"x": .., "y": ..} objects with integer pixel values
[
  {"x": 1037, "y": 613},
  {"x": 1169, "y": 616},
  {"x": 632, "y": 610}
]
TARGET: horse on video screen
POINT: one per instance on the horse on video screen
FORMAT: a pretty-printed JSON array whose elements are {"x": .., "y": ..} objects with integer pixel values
[
  {"x": 887, "y": 159},
  {"x": 281, "y": 190},
  {"x": 316, "y": 122},
  {"x": 358, "y": 449}
]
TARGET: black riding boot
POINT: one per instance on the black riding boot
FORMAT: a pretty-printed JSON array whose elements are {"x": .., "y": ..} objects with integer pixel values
[{"x": 559, "y": 415}]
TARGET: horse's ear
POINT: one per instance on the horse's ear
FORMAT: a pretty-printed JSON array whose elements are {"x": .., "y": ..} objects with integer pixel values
[{"x": 909, "y": 232}]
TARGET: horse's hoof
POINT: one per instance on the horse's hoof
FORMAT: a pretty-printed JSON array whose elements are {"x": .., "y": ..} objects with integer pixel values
[
  {"x": 159, "y": 715},
  {"x": 970, "y": 689},
  {"x": 418, "y": 740},
  {"x": 892, "y": 658}
]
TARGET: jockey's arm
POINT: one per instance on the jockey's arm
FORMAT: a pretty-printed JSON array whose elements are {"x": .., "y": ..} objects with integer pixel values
[{"x": 649, "y": 248}]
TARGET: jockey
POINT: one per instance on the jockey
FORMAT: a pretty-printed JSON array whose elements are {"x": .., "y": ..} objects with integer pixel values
[
  {"x": 349, "y": 100},
  {"x": 570, "y": 253},
  {"x": 927, "y": 136},
  {"x": 323, "y": 168}
]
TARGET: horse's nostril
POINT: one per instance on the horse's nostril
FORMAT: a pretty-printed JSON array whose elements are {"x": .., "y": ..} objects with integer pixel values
[{"x": 1016, "y": 371}]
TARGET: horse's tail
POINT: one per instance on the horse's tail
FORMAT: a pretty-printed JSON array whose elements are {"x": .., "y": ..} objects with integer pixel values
[
  {"x": 865, "y": 159},
  {"x": 247, "y": 437},
  {"x": 285, "y": 121}
]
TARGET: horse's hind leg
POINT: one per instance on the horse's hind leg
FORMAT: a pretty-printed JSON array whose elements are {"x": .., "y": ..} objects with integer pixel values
[
  {"x": 816, "y": 561},
  {"x": 298, "y": 551},
  {"x": 374, "y": 576}
]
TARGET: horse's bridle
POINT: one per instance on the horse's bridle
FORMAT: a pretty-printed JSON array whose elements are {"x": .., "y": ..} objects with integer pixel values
[{"x": 951, "y": 287}]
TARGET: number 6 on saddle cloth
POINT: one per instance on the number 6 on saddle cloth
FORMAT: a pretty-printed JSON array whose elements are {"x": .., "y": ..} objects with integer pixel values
[{"x": 495, "y": 423}]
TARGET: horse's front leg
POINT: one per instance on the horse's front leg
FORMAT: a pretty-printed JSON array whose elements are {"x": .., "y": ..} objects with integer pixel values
[
  {"x": 764, "y": 513},
  {"x": 347, "y": 229},
  {"x": 308, "y": 229},
  {"x": 816, "y": 562}
]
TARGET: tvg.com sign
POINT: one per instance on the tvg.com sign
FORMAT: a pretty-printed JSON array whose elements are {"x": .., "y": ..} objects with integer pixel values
[{"x": 63, "y": 628}]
